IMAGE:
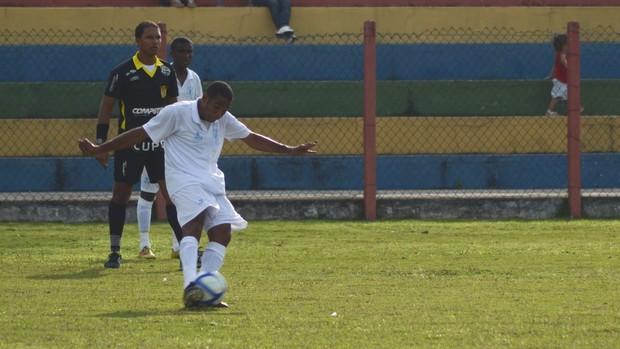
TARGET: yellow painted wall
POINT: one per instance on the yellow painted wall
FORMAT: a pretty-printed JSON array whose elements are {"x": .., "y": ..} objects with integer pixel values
[
  {"x": 343, "y": 136},
  {"x": 255, "y": 21}
]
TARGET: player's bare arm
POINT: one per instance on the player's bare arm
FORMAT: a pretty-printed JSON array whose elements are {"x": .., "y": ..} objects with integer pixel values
[
  {"x": 171, "y": 100},
  {"x": 551, "y": 73},
  {"x": 103, "y": 124},
  {"x": 124, "y": 140},
  {"x": 268, "y": 145},
  {"x": 564, "y": 60}
]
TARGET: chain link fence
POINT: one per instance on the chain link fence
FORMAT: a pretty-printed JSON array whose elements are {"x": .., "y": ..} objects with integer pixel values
[{"x": 461, "y": 112}]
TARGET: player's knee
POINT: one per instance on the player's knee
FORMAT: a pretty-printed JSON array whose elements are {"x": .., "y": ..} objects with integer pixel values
[
  {"x": 220, "y": 234},
  {"x": 147, "y": 196},
  {"x": 121, "y": 193}
]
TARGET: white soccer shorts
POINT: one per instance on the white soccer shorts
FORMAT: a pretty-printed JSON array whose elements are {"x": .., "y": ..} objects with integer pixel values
[
  {"x": 559, "y": 90},
  {"x": 146, "y": 185},
  {"x": 192, "y": 200}
]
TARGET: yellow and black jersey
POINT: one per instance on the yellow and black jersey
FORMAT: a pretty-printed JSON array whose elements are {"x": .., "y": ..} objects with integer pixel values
[{"x": 141, "y": 94}]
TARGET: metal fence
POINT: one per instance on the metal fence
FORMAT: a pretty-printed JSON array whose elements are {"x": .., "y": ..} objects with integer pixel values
[{"x": 460, "y": 112}]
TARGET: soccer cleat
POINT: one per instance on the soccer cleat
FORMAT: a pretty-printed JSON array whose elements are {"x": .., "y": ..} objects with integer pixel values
[
  {"x": 146, "y": 253},
  {"x": 551, "y": 113},
  {"x": 220, "y": 305},
  {"x": 192, "y": 295},
  {"x": 174, "y": 254},
  {"x": 191, "y": 3},
  {"x": 177, "y": 3},
  {"x": 114, "y": 260}
]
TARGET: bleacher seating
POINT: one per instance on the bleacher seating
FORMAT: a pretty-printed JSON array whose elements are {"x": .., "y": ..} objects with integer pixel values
[{"x": 314, "y": 3}]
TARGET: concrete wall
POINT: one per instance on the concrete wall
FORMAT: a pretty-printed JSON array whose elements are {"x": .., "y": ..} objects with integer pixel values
[
  {"x": 317, "y": 3},
  {"x": 250, "y": 21},
  {"x": 463, "y": 208}
]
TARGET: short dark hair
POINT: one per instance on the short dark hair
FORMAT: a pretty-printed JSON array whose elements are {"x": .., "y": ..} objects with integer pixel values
[
  {"x": 559, "y": 40},
  {"x": 143, "y": 25},
  {"x": 219, "y": 88},
  {"x": 180, "y": 41}
]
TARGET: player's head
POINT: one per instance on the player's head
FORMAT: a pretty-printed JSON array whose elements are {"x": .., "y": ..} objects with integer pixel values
[
  {"x": 559, "y": 42},
  {"x": 216, "y": 100},
  {"x": 148, "y": 38},
  {"x": 182, "y": 52}
]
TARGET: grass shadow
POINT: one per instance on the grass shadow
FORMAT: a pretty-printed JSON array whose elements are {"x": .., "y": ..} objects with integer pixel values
[
  {"x": 137, "y": 314},
  {"x": 84, "y": 274}
]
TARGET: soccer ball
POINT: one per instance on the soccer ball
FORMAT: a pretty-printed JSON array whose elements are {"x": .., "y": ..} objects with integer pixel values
[{"x": 213, "y": 286}]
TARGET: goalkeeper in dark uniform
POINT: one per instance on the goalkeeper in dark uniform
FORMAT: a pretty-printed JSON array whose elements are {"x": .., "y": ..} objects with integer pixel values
[{"x": 142, "y": 86}]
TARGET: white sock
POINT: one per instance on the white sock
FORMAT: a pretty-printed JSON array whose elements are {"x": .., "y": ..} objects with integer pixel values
[
  {"x": 144, "y": 240},
  {"x": 143, "y": 212},
  {"x": 175, "y": 243},
  {"x": 189, "y": 257},
  {"x": 213, "y": 257}
]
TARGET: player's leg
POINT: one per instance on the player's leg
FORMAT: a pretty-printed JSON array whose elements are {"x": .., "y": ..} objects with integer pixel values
[
  {"x": 144, "y": 210},
  {"x": 552, "y": 105},
  {"x": 116, "y": 221},
  {"x": 194, "y": 205},
  {"x": 213, "y": 257},
  {"x": 219, "y": 229},
  {"x": 155, "y": 168},
  {"x": 192, "y": 294},
  {"x": 171, "y": 212},
  {"x": 558, "y": 91},
  {"x": 127, "y": 167}
]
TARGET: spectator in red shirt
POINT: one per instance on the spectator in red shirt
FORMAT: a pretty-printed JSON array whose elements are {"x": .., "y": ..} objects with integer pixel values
[{"x": 559, "y": 73}]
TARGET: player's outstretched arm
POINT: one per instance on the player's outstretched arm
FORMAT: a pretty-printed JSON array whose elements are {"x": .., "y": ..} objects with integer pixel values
[
  {"x": 262, "y": 143},
  {"x": 124, "y": 140}
]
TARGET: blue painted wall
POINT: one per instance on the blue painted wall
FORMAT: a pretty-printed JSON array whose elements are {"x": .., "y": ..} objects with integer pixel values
[
  {"x": 38, "y": 63},
  {"x": 536, "y": 171}
]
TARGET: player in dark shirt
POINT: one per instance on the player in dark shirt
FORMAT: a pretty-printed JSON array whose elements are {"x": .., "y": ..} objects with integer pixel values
[{"x": 142, "y": 85}]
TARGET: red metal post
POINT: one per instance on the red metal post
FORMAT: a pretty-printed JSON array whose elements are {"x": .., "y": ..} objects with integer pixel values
[
  {"x": 160, "y": 203},
  {"x": 370, "y": 116},
  {"x": 574, "y": 109}
]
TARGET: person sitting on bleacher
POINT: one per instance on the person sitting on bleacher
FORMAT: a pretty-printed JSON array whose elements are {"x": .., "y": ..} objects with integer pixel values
[{"x": 281, "y": 15}]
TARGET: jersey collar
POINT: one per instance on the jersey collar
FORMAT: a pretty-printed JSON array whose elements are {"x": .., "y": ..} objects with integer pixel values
[
  {"x": 195, "y": 117},
  {"x": 139, "y": 64}
]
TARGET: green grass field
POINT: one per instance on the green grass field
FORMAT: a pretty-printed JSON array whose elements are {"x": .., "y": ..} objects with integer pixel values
[{"x": 313, "y": 284}]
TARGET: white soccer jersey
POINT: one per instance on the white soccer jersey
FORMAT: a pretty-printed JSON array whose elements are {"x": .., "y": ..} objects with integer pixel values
[
  {"x": 193, "y": 145},
  {"x": 191, "y": 88}
]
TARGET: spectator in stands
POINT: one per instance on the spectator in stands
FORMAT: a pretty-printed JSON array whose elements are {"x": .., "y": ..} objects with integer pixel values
[
  {"x": 281, "y": 16},
  {"x": 559, "y": 73}
]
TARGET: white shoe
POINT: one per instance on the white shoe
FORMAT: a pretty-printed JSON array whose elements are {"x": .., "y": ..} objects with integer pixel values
[
  {"x": 284, "y": 30},
  {"x": 191, "y": 3},
  {"x": 551, "y": 113}
]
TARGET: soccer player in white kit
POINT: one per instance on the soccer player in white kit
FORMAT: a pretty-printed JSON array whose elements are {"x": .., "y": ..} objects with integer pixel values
[
  {"x": 190, "y": 89},
  {"x": 194, "y": 133}
]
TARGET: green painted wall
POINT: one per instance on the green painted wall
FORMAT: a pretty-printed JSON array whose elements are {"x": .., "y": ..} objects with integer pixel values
[{"x": 306, "y": 99}]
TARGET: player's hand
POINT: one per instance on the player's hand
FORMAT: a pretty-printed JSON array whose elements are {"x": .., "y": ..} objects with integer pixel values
[
  {"x": 89, "y": 148},
  {"x": 548, "y": 77},
  {"x": 103, "y": 159},
  {"x": 305, "y": 148}
]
